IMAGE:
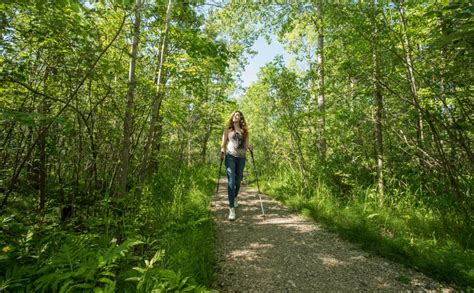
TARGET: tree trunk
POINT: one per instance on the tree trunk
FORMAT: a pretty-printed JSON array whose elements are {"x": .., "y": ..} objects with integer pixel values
[
  {"x": 155, "y": 114},
  {"x": 22, "y": 162},
  {"x": 449, "y": 169},
  {"x": 127, "y": 123},
  {"x": 42, "y": 173},
  {"x": 321, "y": 97},
  {"x": 42, "y": 161},
  {"x": 94, "y": 149},
  {"x": 207, "y": 127},
  {"x": 378, "y": 111},
  {"x": 80, "y": 154},
  {"x": 412, "y": 81},
  {"x": 205, "y": 140},
  {"x": 296, "y": 142}
]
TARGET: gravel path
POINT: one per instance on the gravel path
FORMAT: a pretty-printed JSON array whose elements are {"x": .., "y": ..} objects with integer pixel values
[{"x": 286, "y": 253}]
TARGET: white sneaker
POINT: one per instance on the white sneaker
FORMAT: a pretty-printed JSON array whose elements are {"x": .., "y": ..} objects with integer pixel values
[
  {"x": 231, "y": 214},
  {"x": 236, "y": 205}
]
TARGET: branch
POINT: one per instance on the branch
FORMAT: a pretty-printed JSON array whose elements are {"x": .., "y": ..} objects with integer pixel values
[
  {"x": 68, "y": 101},
  {"x": 28, "y": 87}
]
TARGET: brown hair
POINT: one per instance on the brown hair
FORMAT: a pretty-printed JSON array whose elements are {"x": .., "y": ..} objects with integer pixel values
[{"x": 242, "y": 124}]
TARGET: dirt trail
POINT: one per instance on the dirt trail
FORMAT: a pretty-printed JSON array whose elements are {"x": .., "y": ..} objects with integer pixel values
[{"x": 285, "y": 252}]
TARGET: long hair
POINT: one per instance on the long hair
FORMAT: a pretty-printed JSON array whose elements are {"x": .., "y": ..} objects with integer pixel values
[{"x": 242, "y": 123}]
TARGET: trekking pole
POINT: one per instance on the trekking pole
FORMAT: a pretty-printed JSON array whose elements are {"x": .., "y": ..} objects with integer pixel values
[
  {"x": 218, "y": 178},
  {"x": 258, "y": 186}
]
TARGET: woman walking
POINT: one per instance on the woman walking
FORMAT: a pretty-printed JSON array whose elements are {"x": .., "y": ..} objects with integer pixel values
[{"x": 235, "y": 143}]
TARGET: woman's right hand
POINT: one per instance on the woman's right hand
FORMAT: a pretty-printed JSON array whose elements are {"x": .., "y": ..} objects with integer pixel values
[{"x": 250, "y": 147}]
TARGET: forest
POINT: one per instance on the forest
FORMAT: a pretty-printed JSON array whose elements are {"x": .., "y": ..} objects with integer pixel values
[{"x": 112, "y": 113}]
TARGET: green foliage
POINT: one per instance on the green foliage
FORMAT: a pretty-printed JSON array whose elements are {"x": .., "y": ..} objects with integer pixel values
[
  {"x": 406, "y": 232},
  {"x": 50, "y": 257},
  {"x": 77, "y": 266},
  {"x": 425, "y": 220},
  {"x": 65, "y": 65}
]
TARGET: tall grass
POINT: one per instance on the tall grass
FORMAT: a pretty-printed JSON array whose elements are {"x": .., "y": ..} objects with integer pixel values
[
  {"x": 159, "y": 237},
  {"x": 405, "y": 230}
]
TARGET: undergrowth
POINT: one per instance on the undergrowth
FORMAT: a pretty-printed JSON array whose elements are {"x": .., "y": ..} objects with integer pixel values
[
  {"x": 432, "y": 241},
  {"x": 157, "y": 238}
]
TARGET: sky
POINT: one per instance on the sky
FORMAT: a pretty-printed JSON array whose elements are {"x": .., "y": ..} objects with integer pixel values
[{"x": 265, "y": 54}]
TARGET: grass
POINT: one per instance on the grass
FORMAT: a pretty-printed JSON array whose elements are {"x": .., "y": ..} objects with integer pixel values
[
  {"x": 184, "y": 229},
  {"x": 190, "y": 240},
  {"x": 414, "y": 236},
  {"x": 159, "y": 237}
]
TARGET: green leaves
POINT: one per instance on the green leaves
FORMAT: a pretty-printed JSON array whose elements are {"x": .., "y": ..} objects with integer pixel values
[
  {"x": 26, "y": 118},
  {"x": 77, "y": 266},
  {"x": 116, "y": 252},
  {"x": 49, "y": 48}
]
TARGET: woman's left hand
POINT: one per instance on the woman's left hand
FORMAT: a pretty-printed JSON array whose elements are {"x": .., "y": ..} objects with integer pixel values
[{"x": 250, "y": 147}]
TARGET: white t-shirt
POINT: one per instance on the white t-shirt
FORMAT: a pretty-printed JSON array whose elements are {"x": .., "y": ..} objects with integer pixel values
[{"x": 236, "y": 144}]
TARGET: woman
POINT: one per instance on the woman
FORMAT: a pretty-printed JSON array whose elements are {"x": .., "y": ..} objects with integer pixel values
[{"x": 235, "y": 143}]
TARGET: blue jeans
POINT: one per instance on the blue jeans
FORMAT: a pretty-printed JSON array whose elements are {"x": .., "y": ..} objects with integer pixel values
[{"x": 235, "y": 171}]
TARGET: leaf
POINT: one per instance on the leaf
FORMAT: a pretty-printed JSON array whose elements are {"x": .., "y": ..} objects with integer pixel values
[
  {"x": 65, "y": 286},
  {"x": 138, "y": 269},
  {"x": 189, "y": 288},
  {"x": 107, "y": 273},
  {"x": 372, "y": 216},
  {"x": 106, "y": 280},
  {"x": 83, "y": 286}
]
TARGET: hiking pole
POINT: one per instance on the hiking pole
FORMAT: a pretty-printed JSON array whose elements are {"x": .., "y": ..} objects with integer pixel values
[
  {"x": 219, "y": 177},
  {"x": 258, "y": 186}
]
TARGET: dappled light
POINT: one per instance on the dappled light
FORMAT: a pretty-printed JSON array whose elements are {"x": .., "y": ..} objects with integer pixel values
[
  {"x": 286, "y": 252},
  {"x": 352, "y": 119}
]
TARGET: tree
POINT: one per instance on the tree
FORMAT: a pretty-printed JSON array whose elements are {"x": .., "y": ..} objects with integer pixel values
[
  {"x": 127, "y": 124},
  {"x": 378, "y": 101},
  {"x": 153, "y": 135},
  {"x": 321, "y": 96}
]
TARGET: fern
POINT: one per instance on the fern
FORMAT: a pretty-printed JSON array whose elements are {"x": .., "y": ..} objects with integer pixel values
[
  {"x": 156, "y": 279},
  {"x": 116, "y": 252},
  {"x": 16, "y": 277},
  {"x": 79, "y": 266}
]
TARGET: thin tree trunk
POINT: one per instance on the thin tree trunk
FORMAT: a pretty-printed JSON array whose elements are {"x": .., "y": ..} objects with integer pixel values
[
  {"x": 189, "y": 150},
  {"x": 42, "y": 171},
  {"x": 127, "y": 124},
  {"x": 91, "y": 137},
  {"x": 155, "y": 114},
  {"x": 296, "y": 141},
  {"x": 61, "y": 184},
  {"x": 42, "y": 150},
  {"x": 207, "y": 135},
  {"x": 378, "y": 111},
  {"x": 302, "y": 163},
  {"x": 321, "y": 96},
  {"x": 207, "y": 127},
  {"x": 182, "y": 135},
  {"x": 80, "y": 155},
  {"x": 21, "y": 164},
  {"x": 412, "y": 81}
]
